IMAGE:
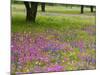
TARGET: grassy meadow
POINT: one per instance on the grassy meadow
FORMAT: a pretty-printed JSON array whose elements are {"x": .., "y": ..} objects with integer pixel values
[{"x": 61, "y": 39}]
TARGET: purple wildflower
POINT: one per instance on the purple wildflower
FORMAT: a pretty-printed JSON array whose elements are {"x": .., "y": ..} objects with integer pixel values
[{"x": 55, "y": 68}]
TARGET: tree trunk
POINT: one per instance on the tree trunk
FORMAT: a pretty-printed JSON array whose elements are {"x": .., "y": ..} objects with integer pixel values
[
  {"x": 43, "y": 7},
  {"x": 31, "y": 10},
  {"x": 82, "y": 9},
  {"x": 28, "y": 11},
  {"x": 91, "y": 7},
  {"x": 34, "y": 6}
]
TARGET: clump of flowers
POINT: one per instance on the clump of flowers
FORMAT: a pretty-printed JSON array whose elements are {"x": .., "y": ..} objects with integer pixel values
[{"x": 55, "y": 68}]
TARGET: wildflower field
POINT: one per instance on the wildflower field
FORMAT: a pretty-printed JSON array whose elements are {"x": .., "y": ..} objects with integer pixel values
[{"x": 61, "y": 39}]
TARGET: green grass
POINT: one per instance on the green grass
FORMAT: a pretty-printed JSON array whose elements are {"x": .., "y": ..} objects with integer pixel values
[
  {"x": 63, "y": 23},
  {"x": 53, "y": 22}
]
